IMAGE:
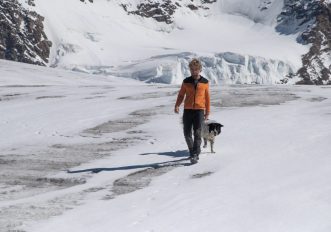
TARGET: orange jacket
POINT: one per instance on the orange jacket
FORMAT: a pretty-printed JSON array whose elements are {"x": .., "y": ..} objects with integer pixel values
[{"x": 196, "y": 97}]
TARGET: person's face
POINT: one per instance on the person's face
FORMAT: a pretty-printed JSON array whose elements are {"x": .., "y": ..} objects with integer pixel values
[{"x": 195, "y": 72}]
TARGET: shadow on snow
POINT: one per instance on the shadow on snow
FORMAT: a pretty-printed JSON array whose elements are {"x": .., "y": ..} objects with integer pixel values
[{"x": 178, "y": 162}]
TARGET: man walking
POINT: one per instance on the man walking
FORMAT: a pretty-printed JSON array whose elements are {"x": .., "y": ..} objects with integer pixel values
[{"x": 195, "y": 90}]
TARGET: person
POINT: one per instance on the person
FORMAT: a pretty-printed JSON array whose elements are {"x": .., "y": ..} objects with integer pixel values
[{"x": 195, "y": 90}]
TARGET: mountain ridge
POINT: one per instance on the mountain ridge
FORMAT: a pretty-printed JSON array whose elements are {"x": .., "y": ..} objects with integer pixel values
[{"x": 157, "y": 22}]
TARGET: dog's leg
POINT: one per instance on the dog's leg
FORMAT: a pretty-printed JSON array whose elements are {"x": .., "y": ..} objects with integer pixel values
[
  {"x": 204, "y": 142},
  {"x": 212, "y": 146}
]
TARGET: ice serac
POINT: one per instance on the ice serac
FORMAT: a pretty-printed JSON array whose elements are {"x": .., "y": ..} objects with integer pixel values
[
  {"x": 220, "y": 68},
  {"x": 22, "y": 36},
  {"x": 311, "y": 21}
]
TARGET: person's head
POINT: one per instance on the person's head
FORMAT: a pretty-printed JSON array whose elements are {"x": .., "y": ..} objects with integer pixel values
[{"x": 195, "y": 68}]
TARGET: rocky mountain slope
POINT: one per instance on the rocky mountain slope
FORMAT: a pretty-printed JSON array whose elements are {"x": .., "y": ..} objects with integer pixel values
[
  {"x": 22, "y": 36},
  {"x": 311, "y": 20},
  {"x": 132, "y": 29}
]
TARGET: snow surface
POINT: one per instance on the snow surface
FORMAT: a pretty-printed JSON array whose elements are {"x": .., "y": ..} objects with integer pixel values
[
  {"x": 270, "y": 171},
  {"x": 260, "y": 11},
  {"x": 102, "y": 34}
]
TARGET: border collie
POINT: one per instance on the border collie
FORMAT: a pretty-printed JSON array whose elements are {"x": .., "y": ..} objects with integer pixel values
[{"x": 210, "y": 129}]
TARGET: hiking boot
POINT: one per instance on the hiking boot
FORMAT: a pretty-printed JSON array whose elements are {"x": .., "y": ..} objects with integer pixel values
[{"x": 194, "y": 158}]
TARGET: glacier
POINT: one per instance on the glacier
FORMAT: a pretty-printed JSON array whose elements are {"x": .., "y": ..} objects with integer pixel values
[{"x": 221, "y": 68}]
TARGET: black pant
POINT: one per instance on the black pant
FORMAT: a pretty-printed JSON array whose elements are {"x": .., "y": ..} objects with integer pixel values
[{"x": 193, "y": 118}]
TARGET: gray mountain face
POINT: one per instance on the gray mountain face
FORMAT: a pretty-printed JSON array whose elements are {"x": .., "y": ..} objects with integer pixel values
[
  {"x": 311, "y": 19},
  {"x": 22, "y": 36}
]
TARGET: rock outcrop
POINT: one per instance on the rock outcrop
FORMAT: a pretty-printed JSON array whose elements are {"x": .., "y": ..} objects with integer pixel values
[
  {"x": 312, "y": 21},
  {"x": 22, "y": 36},
  {"x": 163, "y": 11}
]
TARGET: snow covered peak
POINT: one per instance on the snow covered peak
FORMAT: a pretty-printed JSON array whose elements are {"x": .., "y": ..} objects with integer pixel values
[
  {"x": 259, "y": 11},
  {"x": 105, "y": 33},
  {"x": 119, "y": 33}
]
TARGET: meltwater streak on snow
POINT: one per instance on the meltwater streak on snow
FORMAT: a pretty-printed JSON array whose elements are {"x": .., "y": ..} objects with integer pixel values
[
  {"x": 270, "y": 173},
  {"x": 43, "y": 96},
  {"x": 52, "y": 120}
]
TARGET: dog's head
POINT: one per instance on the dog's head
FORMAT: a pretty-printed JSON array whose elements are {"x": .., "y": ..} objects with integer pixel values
[{"x": 215, "y": 128}]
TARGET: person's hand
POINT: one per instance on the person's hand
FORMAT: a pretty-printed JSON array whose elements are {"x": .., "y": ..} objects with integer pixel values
[
  {"x": 206, "y": 117},
  {"x": 176, "y": 109}
]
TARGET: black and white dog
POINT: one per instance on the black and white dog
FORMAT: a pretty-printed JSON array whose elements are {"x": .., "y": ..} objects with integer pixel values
[{"x": 210, "y": 129}]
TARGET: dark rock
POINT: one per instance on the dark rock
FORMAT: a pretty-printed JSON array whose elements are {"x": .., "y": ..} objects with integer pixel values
[
  {"x": 31, "y": 3},
  {"x": 162, "y": 12},
  {"x": 192, "y": 7},
  {"x": 22, "y": 36},
  {"x": 312, "y": 21},
  {"x": 208, "y": 1}
]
